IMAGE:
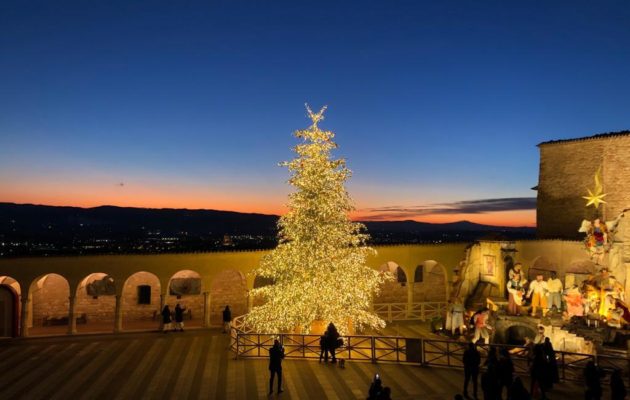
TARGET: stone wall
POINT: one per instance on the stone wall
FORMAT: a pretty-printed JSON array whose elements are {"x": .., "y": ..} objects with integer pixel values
[
  {"x": 192, "y": 303},
  {"x": 228, "y": 288},
  {"x": 392, "y": 292},
  {"x": 50, "y": 298},
  {"x": 567, "y": 170},
  {"x": 433, "y": 285},
  {"x": 132, "y": 311}
]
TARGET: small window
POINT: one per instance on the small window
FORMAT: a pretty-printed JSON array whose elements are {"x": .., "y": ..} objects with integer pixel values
[
  {"x": 419, "y": 274},
  {"x": 144, "y": 294}
]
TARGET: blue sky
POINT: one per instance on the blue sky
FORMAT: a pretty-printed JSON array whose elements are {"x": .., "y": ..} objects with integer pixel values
[{"x": 192, "y": 104}]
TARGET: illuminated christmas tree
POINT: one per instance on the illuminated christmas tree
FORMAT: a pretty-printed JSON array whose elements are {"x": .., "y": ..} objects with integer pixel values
[{"x": 318, "y": 268}]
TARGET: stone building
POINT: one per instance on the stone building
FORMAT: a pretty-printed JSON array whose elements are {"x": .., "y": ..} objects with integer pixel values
[{"x": 567, "y": 170}]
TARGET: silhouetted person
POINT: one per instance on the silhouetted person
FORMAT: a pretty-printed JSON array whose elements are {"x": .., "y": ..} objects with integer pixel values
[
  {"x": 179, "y": 317},
  {"x": 276, "y": 354},
  {"x": 592, "y": 379},
  {"x": 376, "y": 387},
  {"x": 550, "y": 354},
  {"x": 458, "y": 397},
  {"x": 517, "y": 391},
  {"x": 492, "y": 359},
  {"x": 323, "y": 347},
  {"x": 166, "y": 318},
  {"x": 472, "y": 359},
  {"x": 490, "y": 382},
  {"x": 505, "y": 371},
  {"x": 227, "y": 319},
  {"x": 386, "y": 394},
  {"x": 539, "y": 372},
  {"x": 617, "y": 388},
  {"x": 332, "y": 338}
]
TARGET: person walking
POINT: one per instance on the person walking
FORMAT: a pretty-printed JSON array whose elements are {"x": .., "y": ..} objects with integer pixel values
[
  {"x": 166, "y": 319},
  {"x": 332, "y": 337},
  {"x": 472, "y": 359},
  {"x": 227, "y": 319},
  {"x": 179, "y": 317},
  {"x": 276, "y": 354}
]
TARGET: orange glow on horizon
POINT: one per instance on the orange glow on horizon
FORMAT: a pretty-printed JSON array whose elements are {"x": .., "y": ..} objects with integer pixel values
[{"x": 246, "y": 199}]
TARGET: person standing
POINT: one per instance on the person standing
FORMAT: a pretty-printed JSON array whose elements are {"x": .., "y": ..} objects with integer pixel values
[
  {"x": 323, "y": 347},
  {"x": 539, "y": 373},
  {"x": 472, "y": 360},
  {"x": 179, "y": 317},
  {"x": 481, "y": 326},
  {"x": 332, "y": 337},
  {"x": 276, "y": 355},
  {"x": 550, "y": 354},
  {"x": 554, "y": 285},
  {"x": 166, "y": 319},
  {"x": 538, "y": 294},
  {"x": 516, "y": 269},
  {"x": 515, "y": 288},
  {"x": 227, "y": 319},
  {"x": 457, "y": 317}
]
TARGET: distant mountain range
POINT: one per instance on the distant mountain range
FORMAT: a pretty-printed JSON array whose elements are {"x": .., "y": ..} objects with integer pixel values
[{"x": 38, "y": 229}]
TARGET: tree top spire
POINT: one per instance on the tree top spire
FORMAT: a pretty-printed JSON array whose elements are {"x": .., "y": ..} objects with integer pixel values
[{"x": 315, "y": 117}]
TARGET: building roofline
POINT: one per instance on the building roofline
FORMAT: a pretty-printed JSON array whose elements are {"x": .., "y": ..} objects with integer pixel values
[{"x": 607, "y": 135}]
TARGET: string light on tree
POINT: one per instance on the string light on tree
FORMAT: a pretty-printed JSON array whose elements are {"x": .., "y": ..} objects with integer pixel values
[{"x": 319, "y": 266}]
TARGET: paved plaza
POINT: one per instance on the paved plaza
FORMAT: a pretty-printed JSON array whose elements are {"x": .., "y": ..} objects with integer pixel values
[{"x": 195, "y": 364}]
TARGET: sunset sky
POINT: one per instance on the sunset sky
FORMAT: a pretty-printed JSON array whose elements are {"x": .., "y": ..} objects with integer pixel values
[{"x": 437, "y": 106}]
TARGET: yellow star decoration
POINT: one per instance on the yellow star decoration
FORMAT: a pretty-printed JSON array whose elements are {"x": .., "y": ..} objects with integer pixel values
[{"x": 595, "y": 197}]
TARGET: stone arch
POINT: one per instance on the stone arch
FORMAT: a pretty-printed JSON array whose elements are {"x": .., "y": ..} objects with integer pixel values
[
  {"x": 50, "y": 303},
  {"x": 228, "y": 288},
  {"x": 186, "y": 288},
  {"x": 541, "y": 265},
  {"x": 433, "y": 286},
  {"x": 141, "y": 301},
  {"x": 9, "y": 307},
  {"x": 393, "y": 291},
  {"x": 13, "y": 283},
  {"x": 95, "y": 303}
]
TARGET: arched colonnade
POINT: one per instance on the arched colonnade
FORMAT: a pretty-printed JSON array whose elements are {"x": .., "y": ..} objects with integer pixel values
[{"x": 59, "y": 295}]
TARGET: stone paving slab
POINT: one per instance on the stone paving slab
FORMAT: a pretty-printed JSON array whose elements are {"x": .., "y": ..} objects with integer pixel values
[{"x": 197, "y": 365}]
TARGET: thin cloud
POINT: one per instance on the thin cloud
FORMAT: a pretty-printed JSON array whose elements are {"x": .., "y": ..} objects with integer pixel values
[{"x": 482, "y": 206}]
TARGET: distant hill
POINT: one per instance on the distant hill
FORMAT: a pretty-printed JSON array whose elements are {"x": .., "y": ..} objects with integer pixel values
[
  {"x": 424, "y": 227},
  {"x": 27, "y": 229},
  {"x": 29, "y": 219}
]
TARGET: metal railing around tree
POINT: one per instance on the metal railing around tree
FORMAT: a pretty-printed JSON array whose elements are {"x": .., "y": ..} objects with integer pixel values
[{"x": 418, "y": 351}]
